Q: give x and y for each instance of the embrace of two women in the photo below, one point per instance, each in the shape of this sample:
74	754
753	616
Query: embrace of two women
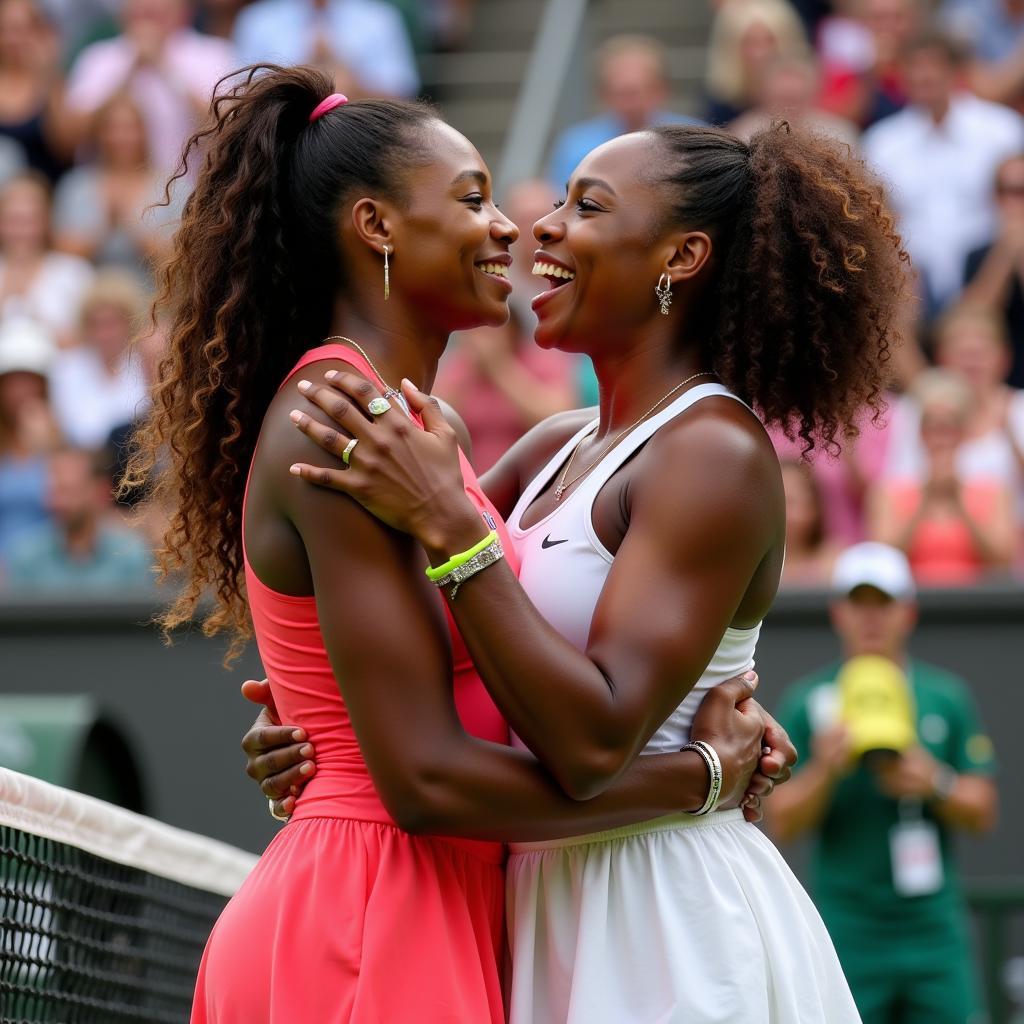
530	694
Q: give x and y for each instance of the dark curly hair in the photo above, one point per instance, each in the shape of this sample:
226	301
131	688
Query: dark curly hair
808	268
249	286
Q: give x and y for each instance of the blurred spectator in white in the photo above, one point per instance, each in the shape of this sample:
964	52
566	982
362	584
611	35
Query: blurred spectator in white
844	481
502	384
31	87
861	49
993	31
100	383
27	428
36	281
165	64
111	210
788	89
971	341
84	547
938	157
366	37
217	17
746	37
633	88
952	528
994	273
809	551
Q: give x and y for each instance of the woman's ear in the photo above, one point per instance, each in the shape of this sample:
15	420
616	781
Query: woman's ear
372	221
692	253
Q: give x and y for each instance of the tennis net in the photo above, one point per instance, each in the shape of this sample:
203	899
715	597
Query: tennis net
103	913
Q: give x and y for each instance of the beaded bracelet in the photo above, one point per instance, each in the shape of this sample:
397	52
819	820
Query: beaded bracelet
714	765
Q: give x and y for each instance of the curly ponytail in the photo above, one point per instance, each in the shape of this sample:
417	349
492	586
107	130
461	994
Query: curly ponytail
809	273
250	284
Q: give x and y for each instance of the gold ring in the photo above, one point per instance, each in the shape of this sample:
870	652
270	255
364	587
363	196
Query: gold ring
346	455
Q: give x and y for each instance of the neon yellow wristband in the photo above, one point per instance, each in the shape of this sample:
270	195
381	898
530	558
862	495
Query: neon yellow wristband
435	574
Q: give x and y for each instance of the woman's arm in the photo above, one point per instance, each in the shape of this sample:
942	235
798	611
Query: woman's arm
700	526
388	643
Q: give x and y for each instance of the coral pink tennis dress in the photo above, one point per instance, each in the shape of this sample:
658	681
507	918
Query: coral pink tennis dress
346	919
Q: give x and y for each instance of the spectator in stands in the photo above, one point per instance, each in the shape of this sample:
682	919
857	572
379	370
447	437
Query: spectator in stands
633	86
746	37
31	87
861	49
994	273
27	428
366	37
939	156
502	384
788	89
166	65
111	210
953	528
809	552
84	547
36	281
971	341
100	383
993	31
844	482
883	872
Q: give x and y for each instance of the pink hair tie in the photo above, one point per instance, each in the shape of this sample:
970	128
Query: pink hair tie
334	100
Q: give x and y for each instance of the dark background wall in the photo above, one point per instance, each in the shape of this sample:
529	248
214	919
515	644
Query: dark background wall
184	716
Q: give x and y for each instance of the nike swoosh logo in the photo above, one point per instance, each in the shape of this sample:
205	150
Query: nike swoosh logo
547	542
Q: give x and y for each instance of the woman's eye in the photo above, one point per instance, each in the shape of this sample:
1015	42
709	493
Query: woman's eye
587	206
474	200
559	203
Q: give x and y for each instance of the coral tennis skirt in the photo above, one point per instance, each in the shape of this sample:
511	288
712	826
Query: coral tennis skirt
680	920
355	922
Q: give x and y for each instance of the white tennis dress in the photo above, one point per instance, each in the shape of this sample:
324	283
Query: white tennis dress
680	920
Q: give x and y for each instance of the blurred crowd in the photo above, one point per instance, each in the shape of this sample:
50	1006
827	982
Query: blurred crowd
98	96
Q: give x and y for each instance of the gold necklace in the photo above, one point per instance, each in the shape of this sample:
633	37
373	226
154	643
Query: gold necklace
563	486
389	391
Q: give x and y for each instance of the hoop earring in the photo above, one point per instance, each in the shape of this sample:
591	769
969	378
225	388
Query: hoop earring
663	289
387	275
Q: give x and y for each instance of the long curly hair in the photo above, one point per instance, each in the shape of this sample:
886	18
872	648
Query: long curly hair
250	284
809	273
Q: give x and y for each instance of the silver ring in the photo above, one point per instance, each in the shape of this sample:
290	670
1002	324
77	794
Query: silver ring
277	817
378	406
346	455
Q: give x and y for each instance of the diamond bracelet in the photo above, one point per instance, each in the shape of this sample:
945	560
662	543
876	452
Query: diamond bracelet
480	561
714	766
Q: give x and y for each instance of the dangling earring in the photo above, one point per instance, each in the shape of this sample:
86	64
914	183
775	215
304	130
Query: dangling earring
387	275
663	290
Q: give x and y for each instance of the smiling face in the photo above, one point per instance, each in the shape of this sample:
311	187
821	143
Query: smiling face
451	244
603	251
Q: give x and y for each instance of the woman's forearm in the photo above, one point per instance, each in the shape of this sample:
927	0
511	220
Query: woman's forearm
485	791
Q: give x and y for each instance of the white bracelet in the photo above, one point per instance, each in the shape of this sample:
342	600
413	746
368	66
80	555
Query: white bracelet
714	765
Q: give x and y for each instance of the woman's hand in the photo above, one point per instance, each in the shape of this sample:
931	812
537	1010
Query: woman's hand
755	751
410	479
277	756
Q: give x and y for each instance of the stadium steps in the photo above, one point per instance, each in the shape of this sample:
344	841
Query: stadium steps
477	87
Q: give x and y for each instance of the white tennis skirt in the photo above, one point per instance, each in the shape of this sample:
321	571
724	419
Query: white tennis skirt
680	920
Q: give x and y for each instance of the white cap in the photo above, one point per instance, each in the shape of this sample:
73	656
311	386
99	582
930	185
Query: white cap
874	565
26	346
